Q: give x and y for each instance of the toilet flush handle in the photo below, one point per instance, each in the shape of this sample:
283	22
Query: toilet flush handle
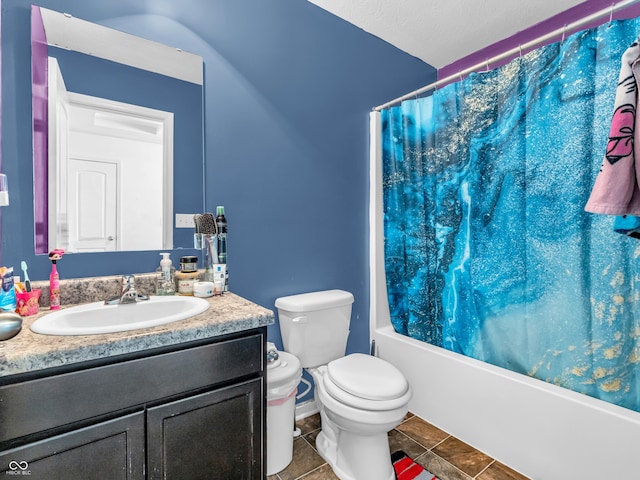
300	320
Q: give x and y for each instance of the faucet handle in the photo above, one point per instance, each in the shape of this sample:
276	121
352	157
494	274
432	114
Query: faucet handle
128	292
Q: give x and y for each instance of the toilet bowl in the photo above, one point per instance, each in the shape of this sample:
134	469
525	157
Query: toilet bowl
353	439
360	397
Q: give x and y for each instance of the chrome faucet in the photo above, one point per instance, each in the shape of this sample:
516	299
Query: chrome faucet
128	293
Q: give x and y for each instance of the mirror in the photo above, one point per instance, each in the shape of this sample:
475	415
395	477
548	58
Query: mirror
117	138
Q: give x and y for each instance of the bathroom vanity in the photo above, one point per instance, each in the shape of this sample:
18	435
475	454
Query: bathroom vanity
183	400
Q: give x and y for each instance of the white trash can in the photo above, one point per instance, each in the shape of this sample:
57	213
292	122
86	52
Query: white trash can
283	376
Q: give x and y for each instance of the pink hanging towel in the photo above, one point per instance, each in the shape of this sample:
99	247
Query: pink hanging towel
616	190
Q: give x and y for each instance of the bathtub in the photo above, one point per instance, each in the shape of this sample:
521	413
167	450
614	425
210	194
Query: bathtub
543	431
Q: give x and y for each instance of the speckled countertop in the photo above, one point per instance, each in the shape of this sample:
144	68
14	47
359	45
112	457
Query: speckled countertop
28	351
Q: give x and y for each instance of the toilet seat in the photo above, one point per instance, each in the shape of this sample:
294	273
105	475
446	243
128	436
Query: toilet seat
366	382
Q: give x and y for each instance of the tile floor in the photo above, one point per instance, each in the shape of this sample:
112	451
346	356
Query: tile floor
437	451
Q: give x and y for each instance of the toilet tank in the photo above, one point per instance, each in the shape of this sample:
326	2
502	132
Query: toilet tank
315	326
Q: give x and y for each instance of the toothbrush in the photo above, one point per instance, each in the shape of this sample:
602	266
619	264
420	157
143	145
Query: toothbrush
27	282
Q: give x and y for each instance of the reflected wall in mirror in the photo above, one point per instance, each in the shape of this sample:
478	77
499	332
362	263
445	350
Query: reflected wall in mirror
117	125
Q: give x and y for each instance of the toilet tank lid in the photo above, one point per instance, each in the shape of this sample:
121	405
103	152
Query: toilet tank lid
306	302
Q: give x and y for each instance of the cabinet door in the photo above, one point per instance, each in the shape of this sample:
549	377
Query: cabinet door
214	435
113	449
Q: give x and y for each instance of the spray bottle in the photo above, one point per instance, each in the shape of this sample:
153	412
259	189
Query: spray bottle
221	225
54	279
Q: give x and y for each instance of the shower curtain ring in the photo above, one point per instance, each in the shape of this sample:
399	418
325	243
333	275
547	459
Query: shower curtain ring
487	64
520	48
564	31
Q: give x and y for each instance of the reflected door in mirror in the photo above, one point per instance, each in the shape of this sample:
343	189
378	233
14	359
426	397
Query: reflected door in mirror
92	203
110	159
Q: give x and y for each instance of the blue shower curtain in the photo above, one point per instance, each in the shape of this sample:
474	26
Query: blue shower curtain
488	249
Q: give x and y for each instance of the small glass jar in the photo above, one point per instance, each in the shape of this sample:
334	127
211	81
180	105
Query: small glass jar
186	281
189	264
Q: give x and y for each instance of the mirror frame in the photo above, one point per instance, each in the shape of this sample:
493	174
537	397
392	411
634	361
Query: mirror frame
64	31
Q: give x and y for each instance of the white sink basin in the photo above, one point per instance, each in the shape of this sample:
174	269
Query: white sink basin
97	318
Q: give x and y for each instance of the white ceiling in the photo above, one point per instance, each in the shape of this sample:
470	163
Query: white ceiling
439	32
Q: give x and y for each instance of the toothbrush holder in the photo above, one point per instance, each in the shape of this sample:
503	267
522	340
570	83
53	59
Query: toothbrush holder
27	302
209	255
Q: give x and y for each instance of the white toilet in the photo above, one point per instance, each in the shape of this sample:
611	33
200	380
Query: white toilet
360	397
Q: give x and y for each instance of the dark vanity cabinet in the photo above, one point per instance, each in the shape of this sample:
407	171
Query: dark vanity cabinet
193	412
113	449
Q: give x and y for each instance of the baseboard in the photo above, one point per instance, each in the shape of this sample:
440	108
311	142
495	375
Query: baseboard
306	409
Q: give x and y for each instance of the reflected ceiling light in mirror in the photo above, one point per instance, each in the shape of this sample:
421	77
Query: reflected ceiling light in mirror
70	33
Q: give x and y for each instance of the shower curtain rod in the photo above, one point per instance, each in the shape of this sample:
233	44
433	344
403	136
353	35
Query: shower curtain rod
510	53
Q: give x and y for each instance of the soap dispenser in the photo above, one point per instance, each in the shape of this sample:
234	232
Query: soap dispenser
165	279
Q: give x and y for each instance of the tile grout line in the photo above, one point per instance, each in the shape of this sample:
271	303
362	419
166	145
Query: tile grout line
404	435
304	437
423	446
465	476
414	441
301	477
441	458
485	468
440	443
430	450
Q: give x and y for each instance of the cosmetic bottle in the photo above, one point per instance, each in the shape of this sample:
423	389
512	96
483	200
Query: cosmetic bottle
54	288
54	280
7	292
221	225
165	276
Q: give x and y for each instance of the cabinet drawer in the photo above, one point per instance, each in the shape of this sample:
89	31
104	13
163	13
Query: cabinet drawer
58	400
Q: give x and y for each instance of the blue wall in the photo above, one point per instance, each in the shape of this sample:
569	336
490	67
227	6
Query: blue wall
288	89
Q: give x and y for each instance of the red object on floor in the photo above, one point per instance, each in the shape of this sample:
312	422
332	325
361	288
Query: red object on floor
407	469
